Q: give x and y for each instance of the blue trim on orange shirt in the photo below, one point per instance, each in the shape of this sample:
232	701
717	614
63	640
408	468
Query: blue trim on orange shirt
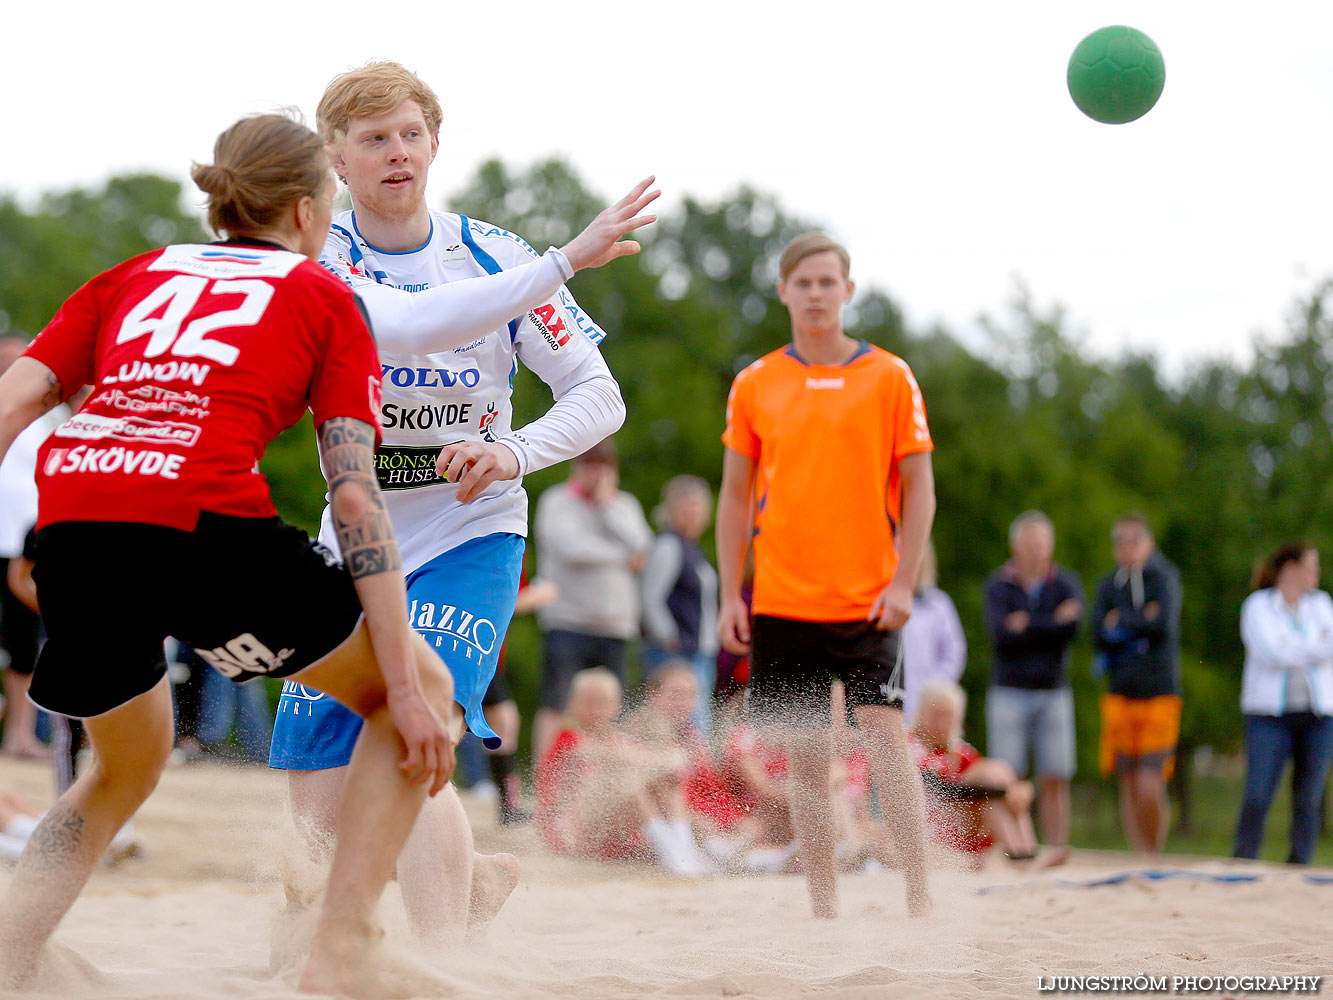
862	348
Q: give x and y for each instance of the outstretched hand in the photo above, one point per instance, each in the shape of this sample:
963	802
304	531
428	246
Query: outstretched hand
601	242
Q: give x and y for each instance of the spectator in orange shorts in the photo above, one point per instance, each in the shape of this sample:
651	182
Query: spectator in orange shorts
1136	630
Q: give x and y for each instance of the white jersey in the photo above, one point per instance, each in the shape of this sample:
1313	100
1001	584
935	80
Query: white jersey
449	349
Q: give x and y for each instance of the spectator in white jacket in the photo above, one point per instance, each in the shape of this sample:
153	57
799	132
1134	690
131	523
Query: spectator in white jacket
1286	696
680	592
934	647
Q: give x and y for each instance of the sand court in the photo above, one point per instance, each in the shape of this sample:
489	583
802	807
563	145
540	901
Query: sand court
196	916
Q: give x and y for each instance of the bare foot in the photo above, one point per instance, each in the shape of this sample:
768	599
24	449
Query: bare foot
1053	857
494	877
344	963
27	751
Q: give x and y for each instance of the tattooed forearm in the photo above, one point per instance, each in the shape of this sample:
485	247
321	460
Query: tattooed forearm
56	839
362	524
54	395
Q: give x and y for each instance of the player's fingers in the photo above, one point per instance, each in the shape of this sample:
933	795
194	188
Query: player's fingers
634	192
443	459
627	248
458	464
478	476
411	764
641	203
431	771
639	223
451	458
446	768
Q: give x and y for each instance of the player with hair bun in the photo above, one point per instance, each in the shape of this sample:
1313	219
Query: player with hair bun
199	355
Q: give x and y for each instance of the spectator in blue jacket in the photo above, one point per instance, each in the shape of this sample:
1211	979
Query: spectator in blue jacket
680	591
1033	608
1136	634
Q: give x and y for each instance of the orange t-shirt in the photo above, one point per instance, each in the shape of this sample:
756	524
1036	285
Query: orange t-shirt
827	442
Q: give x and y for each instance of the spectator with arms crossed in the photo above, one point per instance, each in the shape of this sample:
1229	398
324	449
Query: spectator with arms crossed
1032	609
1136	633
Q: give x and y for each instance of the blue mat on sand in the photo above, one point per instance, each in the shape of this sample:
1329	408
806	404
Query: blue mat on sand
1151	875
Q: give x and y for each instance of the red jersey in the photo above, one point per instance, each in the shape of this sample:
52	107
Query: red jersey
565	767
947	765
199	355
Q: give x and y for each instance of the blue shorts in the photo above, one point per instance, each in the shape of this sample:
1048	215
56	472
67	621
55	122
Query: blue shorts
1035	723
461	603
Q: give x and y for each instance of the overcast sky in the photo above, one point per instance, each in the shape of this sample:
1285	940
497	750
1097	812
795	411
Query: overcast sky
937	140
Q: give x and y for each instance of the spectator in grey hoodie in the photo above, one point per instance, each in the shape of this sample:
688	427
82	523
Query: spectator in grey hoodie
592	539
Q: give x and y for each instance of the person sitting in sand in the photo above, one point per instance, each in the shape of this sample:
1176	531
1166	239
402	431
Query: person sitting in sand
728	829
973	802
755	772
602	794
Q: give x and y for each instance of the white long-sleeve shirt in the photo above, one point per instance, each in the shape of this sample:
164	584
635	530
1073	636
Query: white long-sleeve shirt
452	319
1288	654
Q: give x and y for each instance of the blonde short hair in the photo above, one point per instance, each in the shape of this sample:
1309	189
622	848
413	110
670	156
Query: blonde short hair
951	694
807	245
590	678
374	89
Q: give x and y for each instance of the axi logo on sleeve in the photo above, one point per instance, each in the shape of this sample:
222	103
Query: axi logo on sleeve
553	330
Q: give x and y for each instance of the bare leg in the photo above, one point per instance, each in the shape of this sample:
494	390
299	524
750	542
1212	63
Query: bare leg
435	872
1053	815
132	744
900	794
1129	813
1012	831
545	726
20	716
812	815
375	816
1154	808
503	717
429	896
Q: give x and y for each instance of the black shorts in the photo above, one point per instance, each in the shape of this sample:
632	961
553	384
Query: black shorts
567	653
254	597
793	665
20	629
498	690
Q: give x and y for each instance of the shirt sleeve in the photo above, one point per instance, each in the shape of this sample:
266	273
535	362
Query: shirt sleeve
449	315
554	341
911	432
740	434
347	381
68	345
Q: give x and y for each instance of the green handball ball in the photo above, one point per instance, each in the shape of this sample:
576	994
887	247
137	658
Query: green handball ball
1116	75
